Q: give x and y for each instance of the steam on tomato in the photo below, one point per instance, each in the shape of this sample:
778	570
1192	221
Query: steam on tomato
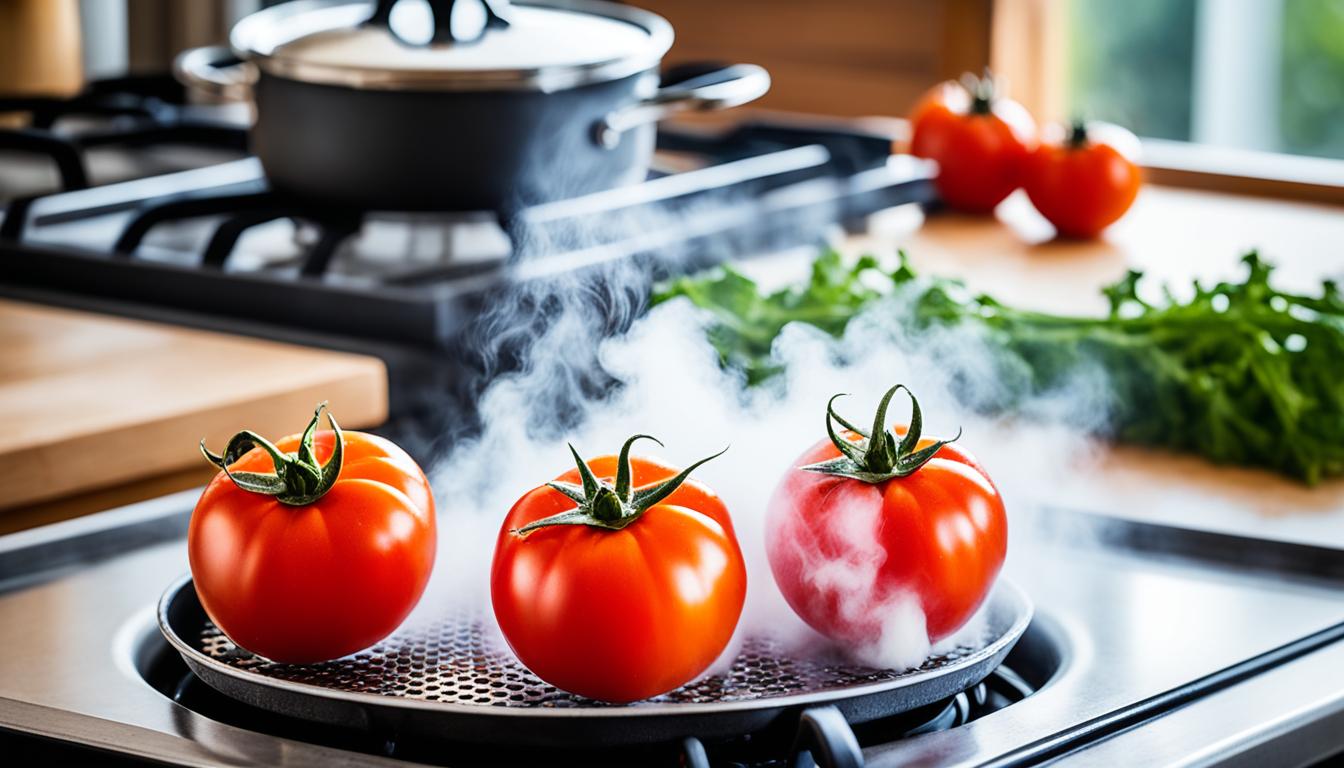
321	558
1085	181
916	518
979	139
623	586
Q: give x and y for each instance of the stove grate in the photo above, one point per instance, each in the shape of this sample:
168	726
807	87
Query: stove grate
145	110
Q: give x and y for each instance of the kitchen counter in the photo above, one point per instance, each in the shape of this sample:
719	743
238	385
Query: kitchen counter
1173	235
92	402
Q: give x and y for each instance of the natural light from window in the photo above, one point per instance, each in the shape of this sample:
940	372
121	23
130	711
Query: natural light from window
1251	74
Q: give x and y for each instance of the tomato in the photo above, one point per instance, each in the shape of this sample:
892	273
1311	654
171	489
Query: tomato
1083	182
618	592
979	140
312	562
852	532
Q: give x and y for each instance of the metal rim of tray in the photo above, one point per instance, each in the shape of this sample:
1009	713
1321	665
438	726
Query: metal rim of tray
1009	610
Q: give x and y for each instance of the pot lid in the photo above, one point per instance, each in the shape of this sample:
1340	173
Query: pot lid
544	45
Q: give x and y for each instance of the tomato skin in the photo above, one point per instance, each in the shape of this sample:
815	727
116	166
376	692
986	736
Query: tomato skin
620	615
1084	189
940	535
303	584
980	156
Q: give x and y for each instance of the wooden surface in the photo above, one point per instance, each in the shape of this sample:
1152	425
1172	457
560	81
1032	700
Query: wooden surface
101	499
841	57
91	401
1028	52
1173	235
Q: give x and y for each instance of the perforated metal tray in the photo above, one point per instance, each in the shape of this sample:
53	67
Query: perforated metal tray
443	678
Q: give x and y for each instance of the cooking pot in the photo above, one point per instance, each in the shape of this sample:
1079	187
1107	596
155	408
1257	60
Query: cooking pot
455	104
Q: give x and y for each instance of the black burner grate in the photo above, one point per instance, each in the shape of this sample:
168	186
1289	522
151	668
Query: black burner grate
138	111
761	187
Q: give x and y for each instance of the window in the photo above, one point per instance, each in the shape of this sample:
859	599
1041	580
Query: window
1251	74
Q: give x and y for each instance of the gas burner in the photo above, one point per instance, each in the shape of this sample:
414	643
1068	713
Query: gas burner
1036	657
126	112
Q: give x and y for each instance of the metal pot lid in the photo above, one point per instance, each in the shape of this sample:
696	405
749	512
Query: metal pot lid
540	45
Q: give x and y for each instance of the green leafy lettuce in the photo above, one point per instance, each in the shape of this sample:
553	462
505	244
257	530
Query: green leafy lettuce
1240	372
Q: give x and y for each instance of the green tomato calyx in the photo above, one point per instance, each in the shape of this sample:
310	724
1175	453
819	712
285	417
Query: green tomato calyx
983	91
298	479
613	507
878	455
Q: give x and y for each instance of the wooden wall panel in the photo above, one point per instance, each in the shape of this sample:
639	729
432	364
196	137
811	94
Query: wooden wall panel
839	57
1029	54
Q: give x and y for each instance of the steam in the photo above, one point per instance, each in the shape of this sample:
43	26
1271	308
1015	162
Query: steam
662	377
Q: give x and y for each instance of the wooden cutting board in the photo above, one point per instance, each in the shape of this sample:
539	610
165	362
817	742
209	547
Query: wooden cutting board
89	401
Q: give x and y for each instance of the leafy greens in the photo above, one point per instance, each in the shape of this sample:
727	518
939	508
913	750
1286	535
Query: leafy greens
1240	373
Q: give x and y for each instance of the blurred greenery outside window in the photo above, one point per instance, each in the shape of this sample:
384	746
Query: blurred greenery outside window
1253	74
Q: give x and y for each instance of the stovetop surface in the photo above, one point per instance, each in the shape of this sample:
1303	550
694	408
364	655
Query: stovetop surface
1141	640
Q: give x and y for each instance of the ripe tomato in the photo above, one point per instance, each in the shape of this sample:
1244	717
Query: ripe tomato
979	140
313	562
860	524
1085	181
618	592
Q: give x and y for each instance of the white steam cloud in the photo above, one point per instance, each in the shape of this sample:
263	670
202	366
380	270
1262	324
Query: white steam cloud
663	378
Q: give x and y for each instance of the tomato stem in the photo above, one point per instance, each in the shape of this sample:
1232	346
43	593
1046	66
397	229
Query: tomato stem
982	90
603	506
877	456
298	478
1077	138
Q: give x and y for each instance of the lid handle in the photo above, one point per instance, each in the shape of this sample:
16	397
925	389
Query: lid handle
438	22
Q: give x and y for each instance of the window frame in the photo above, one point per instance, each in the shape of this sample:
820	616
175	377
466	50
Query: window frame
1028	39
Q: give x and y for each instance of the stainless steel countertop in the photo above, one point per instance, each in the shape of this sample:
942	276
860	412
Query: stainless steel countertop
1138	629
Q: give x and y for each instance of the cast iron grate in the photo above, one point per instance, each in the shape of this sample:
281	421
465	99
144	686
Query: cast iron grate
453	660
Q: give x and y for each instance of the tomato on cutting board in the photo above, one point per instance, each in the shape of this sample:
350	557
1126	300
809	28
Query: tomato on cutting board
314	547
1084	180
620	580
868	518
979	139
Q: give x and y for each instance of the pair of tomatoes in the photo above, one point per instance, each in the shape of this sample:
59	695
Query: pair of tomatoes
622	579
986	146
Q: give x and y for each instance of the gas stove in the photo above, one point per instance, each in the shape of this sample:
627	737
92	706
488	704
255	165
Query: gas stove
1149	646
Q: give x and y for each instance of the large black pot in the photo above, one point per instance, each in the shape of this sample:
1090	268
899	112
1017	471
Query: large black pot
538	101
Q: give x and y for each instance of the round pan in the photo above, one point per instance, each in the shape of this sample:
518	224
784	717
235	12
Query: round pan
445	681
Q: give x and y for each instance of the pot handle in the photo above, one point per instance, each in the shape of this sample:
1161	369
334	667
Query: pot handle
216	71
727	87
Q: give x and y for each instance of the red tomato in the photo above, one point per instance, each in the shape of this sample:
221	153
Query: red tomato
920	519
980	142
624	604
1085	181
313	581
